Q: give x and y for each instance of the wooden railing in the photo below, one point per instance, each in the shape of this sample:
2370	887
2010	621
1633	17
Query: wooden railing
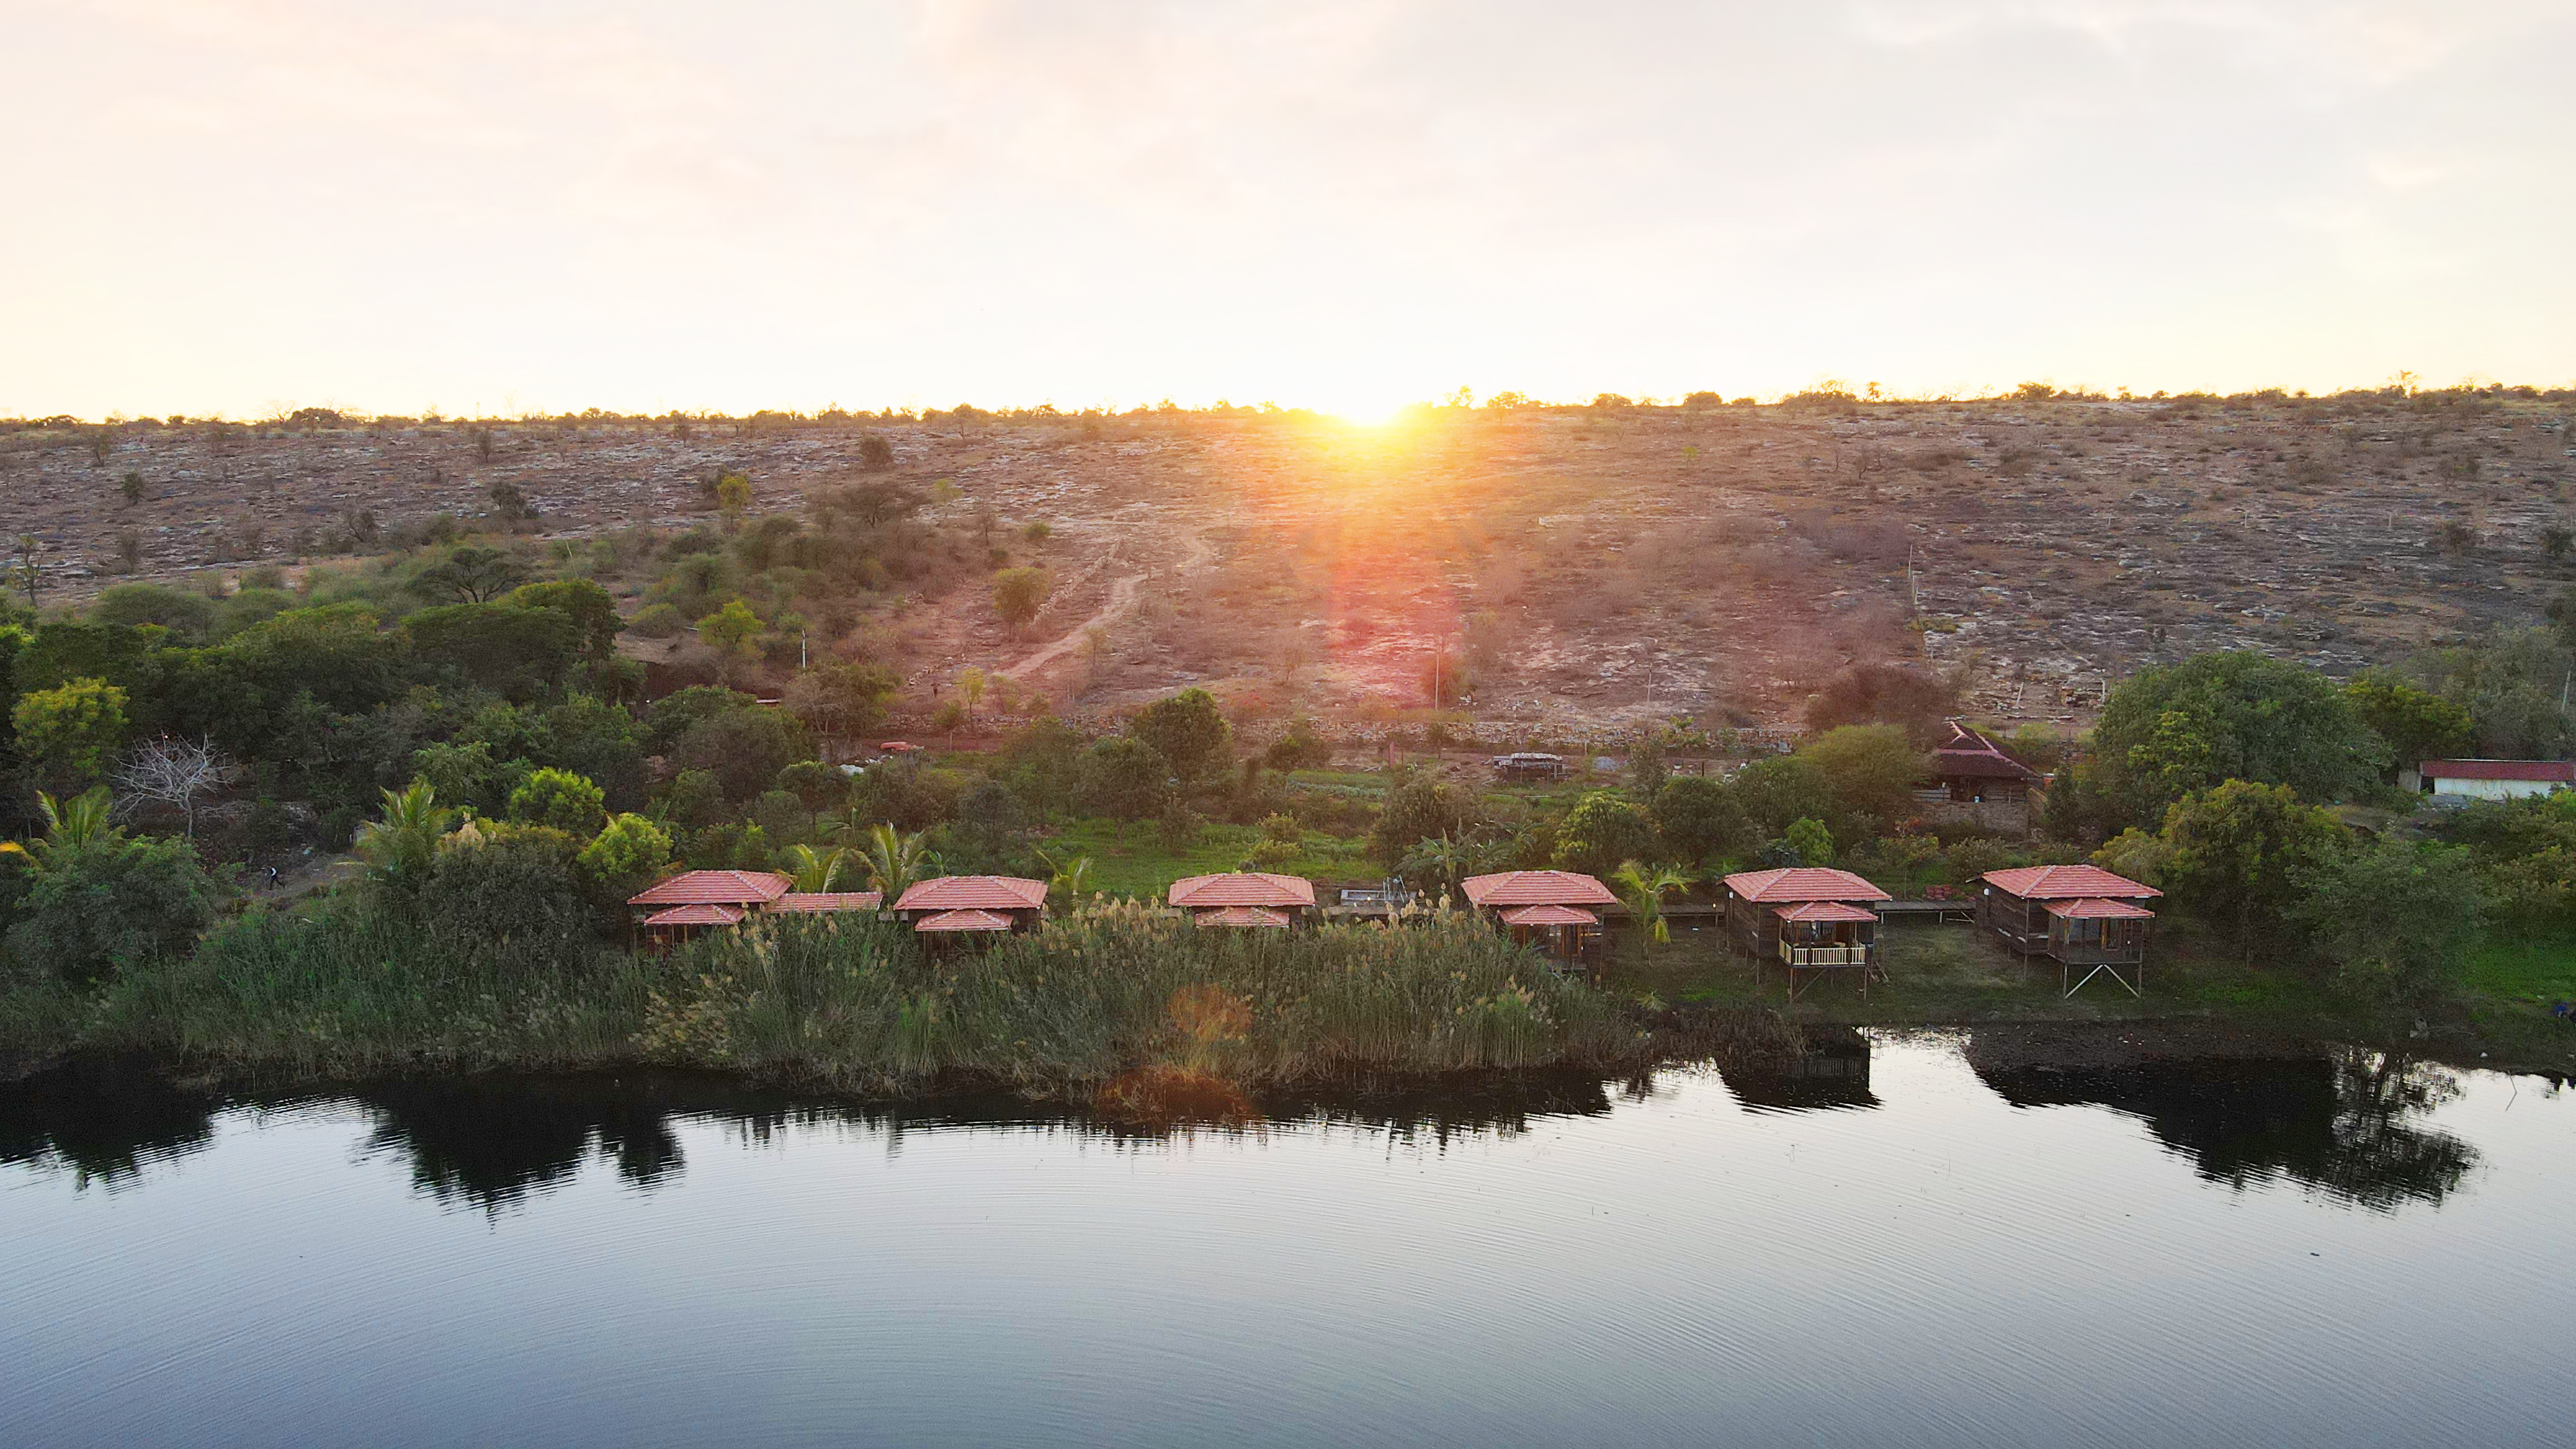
1807	956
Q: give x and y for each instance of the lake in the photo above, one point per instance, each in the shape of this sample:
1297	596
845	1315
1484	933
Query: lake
1914	1241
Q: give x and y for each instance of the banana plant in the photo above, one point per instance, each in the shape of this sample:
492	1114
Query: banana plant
815	872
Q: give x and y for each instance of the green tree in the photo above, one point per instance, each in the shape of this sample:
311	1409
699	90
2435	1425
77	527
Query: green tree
467	777
1810	840
1440	865
71	734
1018	594
1603	829
817	786
842	698
518	884
190	617
517	653
1125	779
1188	731
1642	890
895	862
733	496
1698	816
1776	791
1418	808
2418	724
729	631
592	610
814	871
401	843
628	854
2511	685
99	900
2167	732
2401	917
560	799
744	748
470	574
2239	852
1871	769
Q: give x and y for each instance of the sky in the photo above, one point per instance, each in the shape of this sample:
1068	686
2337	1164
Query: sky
228	206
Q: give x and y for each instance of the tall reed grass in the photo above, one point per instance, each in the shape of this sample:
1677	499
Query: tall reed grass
359	988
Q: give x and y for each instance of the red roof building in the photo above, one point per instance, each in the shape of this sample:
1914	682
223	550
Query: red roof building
1805	918
2496	779
2081	916
972	903
1973	768
1802	883
1546	909
1242	888
750	889
2066	882
974	893
1536	888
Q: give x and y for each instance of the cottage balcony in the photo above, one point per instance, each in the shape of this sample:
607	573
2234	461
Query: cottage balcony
1802	958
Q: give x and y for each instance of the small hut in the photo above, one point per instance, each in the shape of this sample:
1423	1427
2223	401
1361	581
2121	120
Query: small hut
670	926
1552	910
1807	918
955	905
2080	916
692	901
1974	770
1244	899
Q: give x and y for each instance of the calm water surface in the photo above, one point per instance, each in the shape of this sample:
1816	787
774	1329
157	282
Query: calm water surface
1919	1245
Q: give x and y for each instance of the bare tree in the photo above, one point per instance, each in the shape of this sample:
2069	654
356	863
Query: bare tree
173	772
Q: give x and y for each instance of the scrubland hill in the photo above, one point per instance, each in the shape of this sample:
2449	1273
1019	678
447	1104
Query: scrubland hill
1591	564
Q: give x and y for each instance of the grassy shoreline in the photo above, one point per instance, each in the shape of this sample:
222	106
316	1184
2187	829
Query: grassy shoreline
1122	1007
1117	1003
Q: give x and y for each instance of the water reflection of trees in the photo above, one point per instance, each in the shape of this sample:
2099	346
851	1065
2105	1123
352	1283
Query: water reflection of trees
100	1122
490	1143
2341	1123
1833	1074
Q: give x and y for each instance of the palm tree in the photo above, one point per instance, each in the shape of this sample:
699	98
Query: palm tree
400	844
84	819
1442	863
895	861
815	872
1642	890
1071	878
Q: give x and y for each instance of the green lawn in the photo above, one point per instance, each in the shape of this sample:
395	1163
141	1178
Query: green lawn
2536	970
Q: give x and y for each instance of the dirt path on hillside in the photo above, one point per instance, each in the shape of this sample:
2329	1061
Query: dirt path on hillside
1122	597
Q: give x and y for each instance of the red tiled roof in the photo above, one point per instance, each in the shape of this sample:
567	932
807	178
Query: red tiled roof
1549	916
1242	916
1241	888
963	921
714	887
1536	888
1803	883
2094	908
974	893
2066	882
827	902
1971	754
697	915
2557	772
1823	911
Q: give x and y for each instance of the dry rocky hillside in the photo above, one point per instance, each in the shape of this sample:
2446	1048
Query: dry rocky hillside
1584	566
